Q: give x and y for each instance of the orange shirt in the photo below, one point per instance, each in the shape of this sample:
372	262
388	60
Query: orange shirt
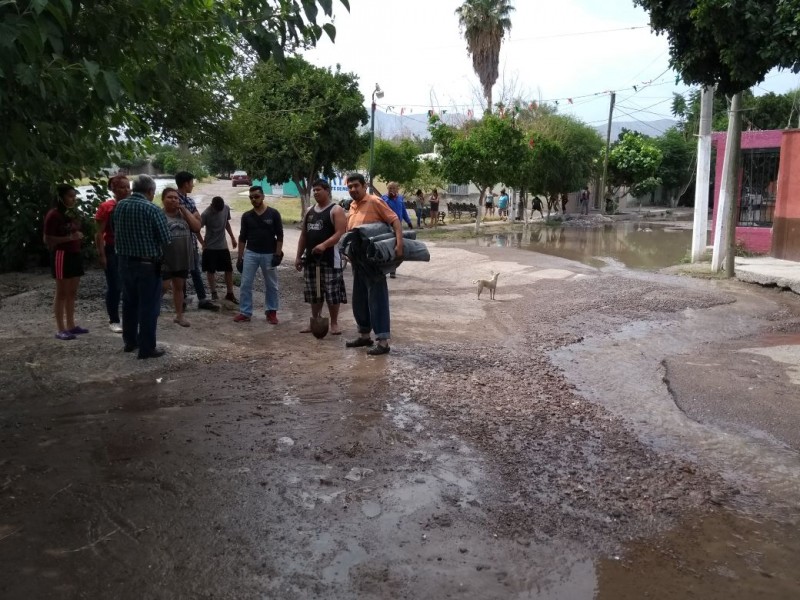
370	209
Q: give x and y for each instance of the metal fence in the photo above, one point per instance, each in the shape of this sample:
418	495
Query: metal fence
759	177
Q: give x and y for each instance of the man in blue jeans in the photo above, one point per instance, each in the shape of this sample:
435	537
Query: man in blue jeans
104	242
184	181
141	232
260	247
371	295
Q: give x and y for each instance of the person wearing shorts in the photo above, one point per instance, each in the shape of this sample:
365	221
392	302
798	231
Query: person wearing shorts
323	225
489	204
179	253
502	205
216	256
63	235
434	204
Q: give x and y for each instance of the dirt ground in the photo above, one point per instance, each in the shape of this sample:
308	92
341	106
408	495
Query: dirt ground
591	433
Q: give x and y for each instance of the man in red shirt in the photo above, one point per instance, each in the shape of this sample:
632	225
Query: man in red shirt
370	295
104	242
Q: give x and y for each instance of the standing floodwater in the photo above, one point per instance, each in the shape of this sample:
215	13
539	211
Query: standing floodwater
636	245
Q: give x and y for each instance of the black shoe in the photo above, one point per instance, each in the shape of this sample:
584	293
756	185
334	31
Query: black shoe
157	353
359	342
208	305
392	276
378	350
130	347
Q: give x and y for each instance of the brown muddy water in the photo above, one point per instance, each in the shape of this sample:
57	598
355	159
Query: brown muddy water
635	245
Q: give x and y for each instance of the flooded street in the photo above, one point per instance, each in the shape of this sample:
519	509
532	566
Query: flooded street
592	433
637	245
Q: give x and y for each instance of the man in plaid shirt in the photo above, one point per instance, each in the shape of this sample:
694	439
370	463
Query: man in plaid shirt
141	232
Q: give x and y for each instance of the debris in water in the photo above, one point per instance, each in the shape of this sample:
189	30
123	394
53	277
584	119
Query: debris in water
358	473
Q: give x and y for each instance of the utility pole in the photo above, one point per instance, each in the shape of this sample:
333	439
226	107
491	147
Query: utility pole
729	188
700	228
602	194
732	175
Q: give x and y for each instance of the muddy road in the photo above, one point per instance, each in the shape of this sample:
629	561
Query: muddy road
582	436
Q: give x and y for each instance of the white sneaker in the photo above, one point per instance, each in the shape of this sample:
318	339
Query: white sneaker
115	327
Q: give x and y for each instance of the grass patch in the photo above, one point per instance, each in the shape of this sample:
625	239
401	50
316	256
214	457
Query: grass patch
462	233
288	207
701	271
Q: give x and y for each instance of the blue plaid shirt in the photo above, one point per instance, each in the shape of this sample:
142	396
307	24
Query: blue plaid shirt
140	228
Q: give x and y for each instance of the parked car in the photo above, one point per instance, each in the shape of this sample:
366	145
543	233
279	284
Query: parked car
240	178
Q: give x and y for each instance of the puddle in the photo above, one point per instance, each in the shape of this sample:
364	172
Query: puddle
719	556
636	245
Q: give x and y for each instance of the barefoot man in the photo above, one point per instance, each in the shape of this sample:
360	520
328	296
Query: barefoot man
323	225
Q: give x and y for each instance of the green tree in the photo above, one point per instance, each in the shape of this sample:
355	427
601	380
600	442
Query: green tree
728	44
396	161
484	153
428	177
633	163
81	80
578	147
677	167
296	121
484	24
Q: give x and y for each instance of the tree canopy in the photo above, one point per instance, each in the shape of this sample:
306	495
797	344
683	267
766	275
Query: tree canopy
485	152
484	24
396	161
83	80
634	162
295	121
729	44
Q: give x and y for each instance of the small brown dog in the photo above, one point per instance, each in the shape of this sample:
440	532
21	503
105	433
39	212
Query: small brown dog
490	284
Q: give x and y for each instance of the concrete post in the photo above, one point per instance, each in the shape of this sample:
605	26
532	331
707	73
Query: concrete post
703	178
728	196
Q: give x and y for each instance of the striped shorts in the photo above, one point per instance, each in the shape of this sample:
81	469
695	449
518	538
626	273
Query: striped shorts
66	265
331	285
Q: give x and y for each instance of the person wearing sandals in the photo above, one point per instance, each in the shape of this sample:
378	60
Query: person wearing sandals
323	225
179	253
370	297
63	235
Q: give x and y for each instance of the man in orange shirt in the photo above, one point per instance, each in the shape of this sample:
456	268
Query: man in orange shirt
370	295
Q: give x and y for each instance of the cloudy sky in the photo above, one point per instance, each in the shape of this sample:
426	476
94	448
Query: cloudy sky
561	50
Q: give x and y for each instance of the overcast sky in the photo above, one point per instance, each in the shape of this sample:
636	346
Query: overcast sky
578	49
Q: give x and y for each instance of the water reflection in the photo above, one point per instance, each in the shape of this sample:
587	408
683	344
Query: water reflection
636	245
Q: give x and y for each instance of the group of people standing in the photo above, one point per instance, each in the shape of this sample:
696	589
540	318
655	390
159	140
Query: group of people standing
147	251
397	203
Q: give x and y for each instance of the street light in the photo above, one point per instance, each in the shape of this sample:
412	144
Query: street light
376	93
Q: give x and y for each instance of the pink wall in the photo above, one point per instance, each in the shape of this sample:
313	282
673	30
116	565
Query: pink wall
786	228
755	239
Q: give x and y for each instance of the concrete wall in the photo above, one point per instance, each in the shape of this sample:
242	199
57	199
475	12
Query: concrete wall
755	239
786	228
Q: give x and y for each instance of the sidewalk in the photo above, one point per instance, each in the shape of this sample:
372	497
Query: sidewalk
766	270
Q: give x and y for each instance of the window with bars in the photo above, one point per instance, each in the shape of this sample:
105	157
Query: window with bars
759	182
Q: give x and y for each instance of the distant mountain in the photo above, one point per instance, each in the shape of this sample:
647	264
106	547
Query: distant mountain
392	125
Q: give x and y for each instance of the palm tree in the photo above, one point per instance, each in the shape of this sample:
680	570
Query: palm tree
484	24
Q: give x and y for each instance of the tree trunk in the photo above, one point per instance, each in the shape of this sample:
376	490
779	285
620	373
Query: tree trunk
489	101
480	208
